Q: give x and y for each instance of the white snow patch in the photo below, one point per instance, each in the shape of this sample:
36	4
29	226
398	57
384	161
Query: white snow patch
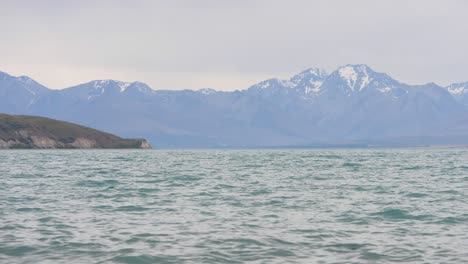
349	75
145	89
365	80
316	85
103	83
457	90
284	83
316	71
124	86
287	84
384	89
100	84
315	88
207	91
312	71
354	75
264	85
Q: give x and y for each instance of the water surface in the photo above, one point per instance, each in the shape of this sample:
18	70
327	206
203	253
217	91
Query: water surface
234	206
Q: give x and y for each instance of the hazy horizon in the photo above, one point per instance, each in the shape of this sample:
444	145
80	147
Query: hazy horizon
230	45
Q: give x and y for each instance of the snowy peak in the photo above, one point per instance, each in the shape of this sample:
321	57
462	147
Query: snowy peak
305	82
97	88
309	81
459	91
360	78
458	88
272	84
348	79
11	82
357	77
24	81
207	91
109	84
22	91
310	73
136	87
118	86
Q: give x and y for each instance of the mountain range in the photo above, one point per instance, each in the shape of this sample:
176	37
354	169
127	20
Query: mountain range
351	106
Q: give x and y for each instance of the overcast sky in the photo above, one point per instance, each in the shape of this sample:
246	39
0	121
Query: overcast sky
230	45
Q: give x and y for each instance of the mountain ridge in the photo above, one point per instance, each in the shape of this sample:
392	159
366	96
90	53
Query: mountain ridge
353	103
457	87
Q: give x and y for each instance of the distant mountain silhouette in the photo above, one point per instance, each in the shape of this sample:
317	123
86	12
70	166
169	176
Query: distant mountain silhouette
351	106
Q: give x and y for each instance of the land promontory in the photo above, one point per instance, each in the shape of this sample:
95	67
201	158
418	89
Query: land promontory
32	132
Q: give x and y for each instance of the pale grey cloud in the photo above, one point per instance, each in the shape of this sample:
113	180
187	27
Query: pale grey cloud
230	44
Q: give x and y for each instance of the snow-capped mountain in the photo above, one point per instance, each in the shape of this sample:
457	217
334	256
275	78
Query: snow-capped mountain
351	104
309	80
18	94
357	79
96	89
459	92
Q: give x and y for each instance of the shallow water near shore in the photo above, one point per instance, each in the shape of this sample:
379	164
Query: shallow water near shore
234	206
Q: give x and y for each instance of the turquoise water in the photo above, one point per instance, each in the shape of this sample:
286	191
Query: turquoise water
229	206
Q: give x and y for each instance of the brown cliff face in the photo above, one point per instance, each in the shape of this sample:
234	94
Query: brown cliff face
30	132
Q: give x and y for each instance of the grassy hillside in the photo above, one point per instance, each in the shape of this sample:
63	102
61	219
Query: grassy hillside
18	131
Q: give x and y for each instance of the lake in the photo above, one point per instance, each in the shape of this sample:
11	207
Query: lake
234	206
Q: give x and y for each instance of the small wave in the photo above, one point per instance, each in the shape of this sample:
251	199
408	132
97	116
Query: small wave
185	178
367	255
143	259
85	245
329	156
94	183
449	192
351	164
281	253
148	190
45	219
398	214
8	227
417	195
103	207
29	209
243	242
417	167
219	257
260	192
281	242
131	208
452	220
17	251
346	246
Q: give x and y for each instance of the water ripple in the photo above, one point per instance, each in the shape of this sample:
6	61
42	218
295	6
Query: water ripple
236	206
